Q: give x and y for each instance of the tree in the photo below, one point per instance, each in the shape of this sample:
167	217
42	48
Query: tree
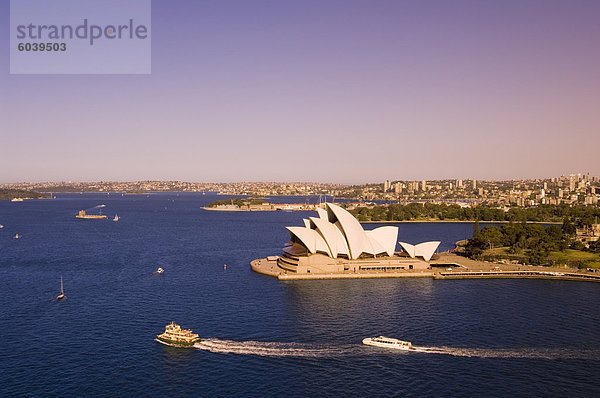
577	245
568	227
476	228
595	246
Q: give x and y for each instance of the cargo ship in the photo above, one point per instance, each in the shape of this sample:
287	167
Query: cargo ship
174	335
82	214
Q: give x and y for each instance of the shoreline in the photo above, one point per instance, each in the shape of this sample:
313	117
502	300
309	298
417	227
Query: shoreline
460	221
448	266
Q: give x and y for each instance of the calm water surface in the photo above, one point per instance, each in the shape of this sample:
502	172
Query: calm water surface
263	337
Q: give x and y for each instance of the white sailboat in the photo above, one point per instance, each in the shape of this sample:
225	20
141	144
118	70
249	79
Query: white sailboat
116	217
62	292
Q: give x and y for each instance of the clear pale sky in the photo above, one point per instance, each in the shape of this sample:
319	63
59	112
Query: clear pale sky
322	90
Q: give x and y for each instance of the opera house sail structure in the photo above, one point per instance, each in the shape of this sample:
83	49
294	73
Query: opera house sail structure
335	242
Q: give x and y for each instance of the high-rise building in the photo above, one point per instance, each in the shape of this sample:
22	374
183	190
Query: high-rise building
423	185
572	182
474	184
398	187
386	186
459	184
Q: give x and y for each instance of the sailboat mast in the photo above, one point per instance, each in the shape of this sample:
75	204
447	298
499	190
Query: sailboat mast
61	285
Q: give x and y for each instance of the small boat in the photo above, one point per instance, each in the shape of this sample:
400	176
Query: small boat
1	226
174	335
116	217
16	236
388	342
160	270
16	200
62	292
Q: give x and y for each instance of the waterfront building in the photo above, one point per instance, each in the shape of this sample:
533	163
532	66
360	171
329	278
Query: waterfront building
335	242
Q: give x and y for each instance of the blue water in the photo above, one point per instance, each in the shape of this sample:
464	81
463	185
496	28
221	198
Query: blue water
263	337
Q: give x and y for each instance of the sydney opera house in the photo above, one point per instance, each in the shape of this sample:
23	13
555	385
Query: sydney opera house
335	242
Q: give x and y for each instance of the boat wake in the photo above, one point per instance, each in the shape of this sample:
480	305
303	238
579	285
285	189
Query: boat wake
300	350
272	349
526	353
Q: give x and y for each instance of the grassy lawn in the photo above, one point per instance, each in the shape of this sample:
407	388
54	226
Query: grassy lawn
593	259
569	256
498	253
497	250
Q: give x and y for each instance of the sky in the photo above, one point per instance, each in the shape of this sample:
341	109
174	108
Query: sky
324	91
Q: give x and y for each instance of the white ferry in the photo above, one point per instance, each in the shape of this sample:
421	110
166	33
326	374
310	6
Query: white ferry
388	342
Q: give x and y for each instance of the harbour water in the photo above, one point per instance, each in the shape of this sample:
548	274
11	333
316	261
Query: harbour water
263	337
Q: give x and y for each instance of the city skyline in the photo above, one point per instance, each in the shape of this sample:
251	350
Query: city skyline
340	92
390	181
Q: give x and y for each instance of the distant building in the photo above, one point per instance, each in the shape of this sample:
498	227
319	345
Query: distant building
423	185
386	186
474	185
588	234
398	187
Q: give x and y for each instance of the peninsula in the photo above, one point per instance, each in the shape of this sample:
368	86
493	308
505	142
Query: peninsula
334	245
21	194
244	204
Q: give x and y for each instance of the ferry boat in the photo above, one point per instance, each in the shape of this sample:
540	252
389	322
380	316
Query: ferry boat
176	336
83	215
388	342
